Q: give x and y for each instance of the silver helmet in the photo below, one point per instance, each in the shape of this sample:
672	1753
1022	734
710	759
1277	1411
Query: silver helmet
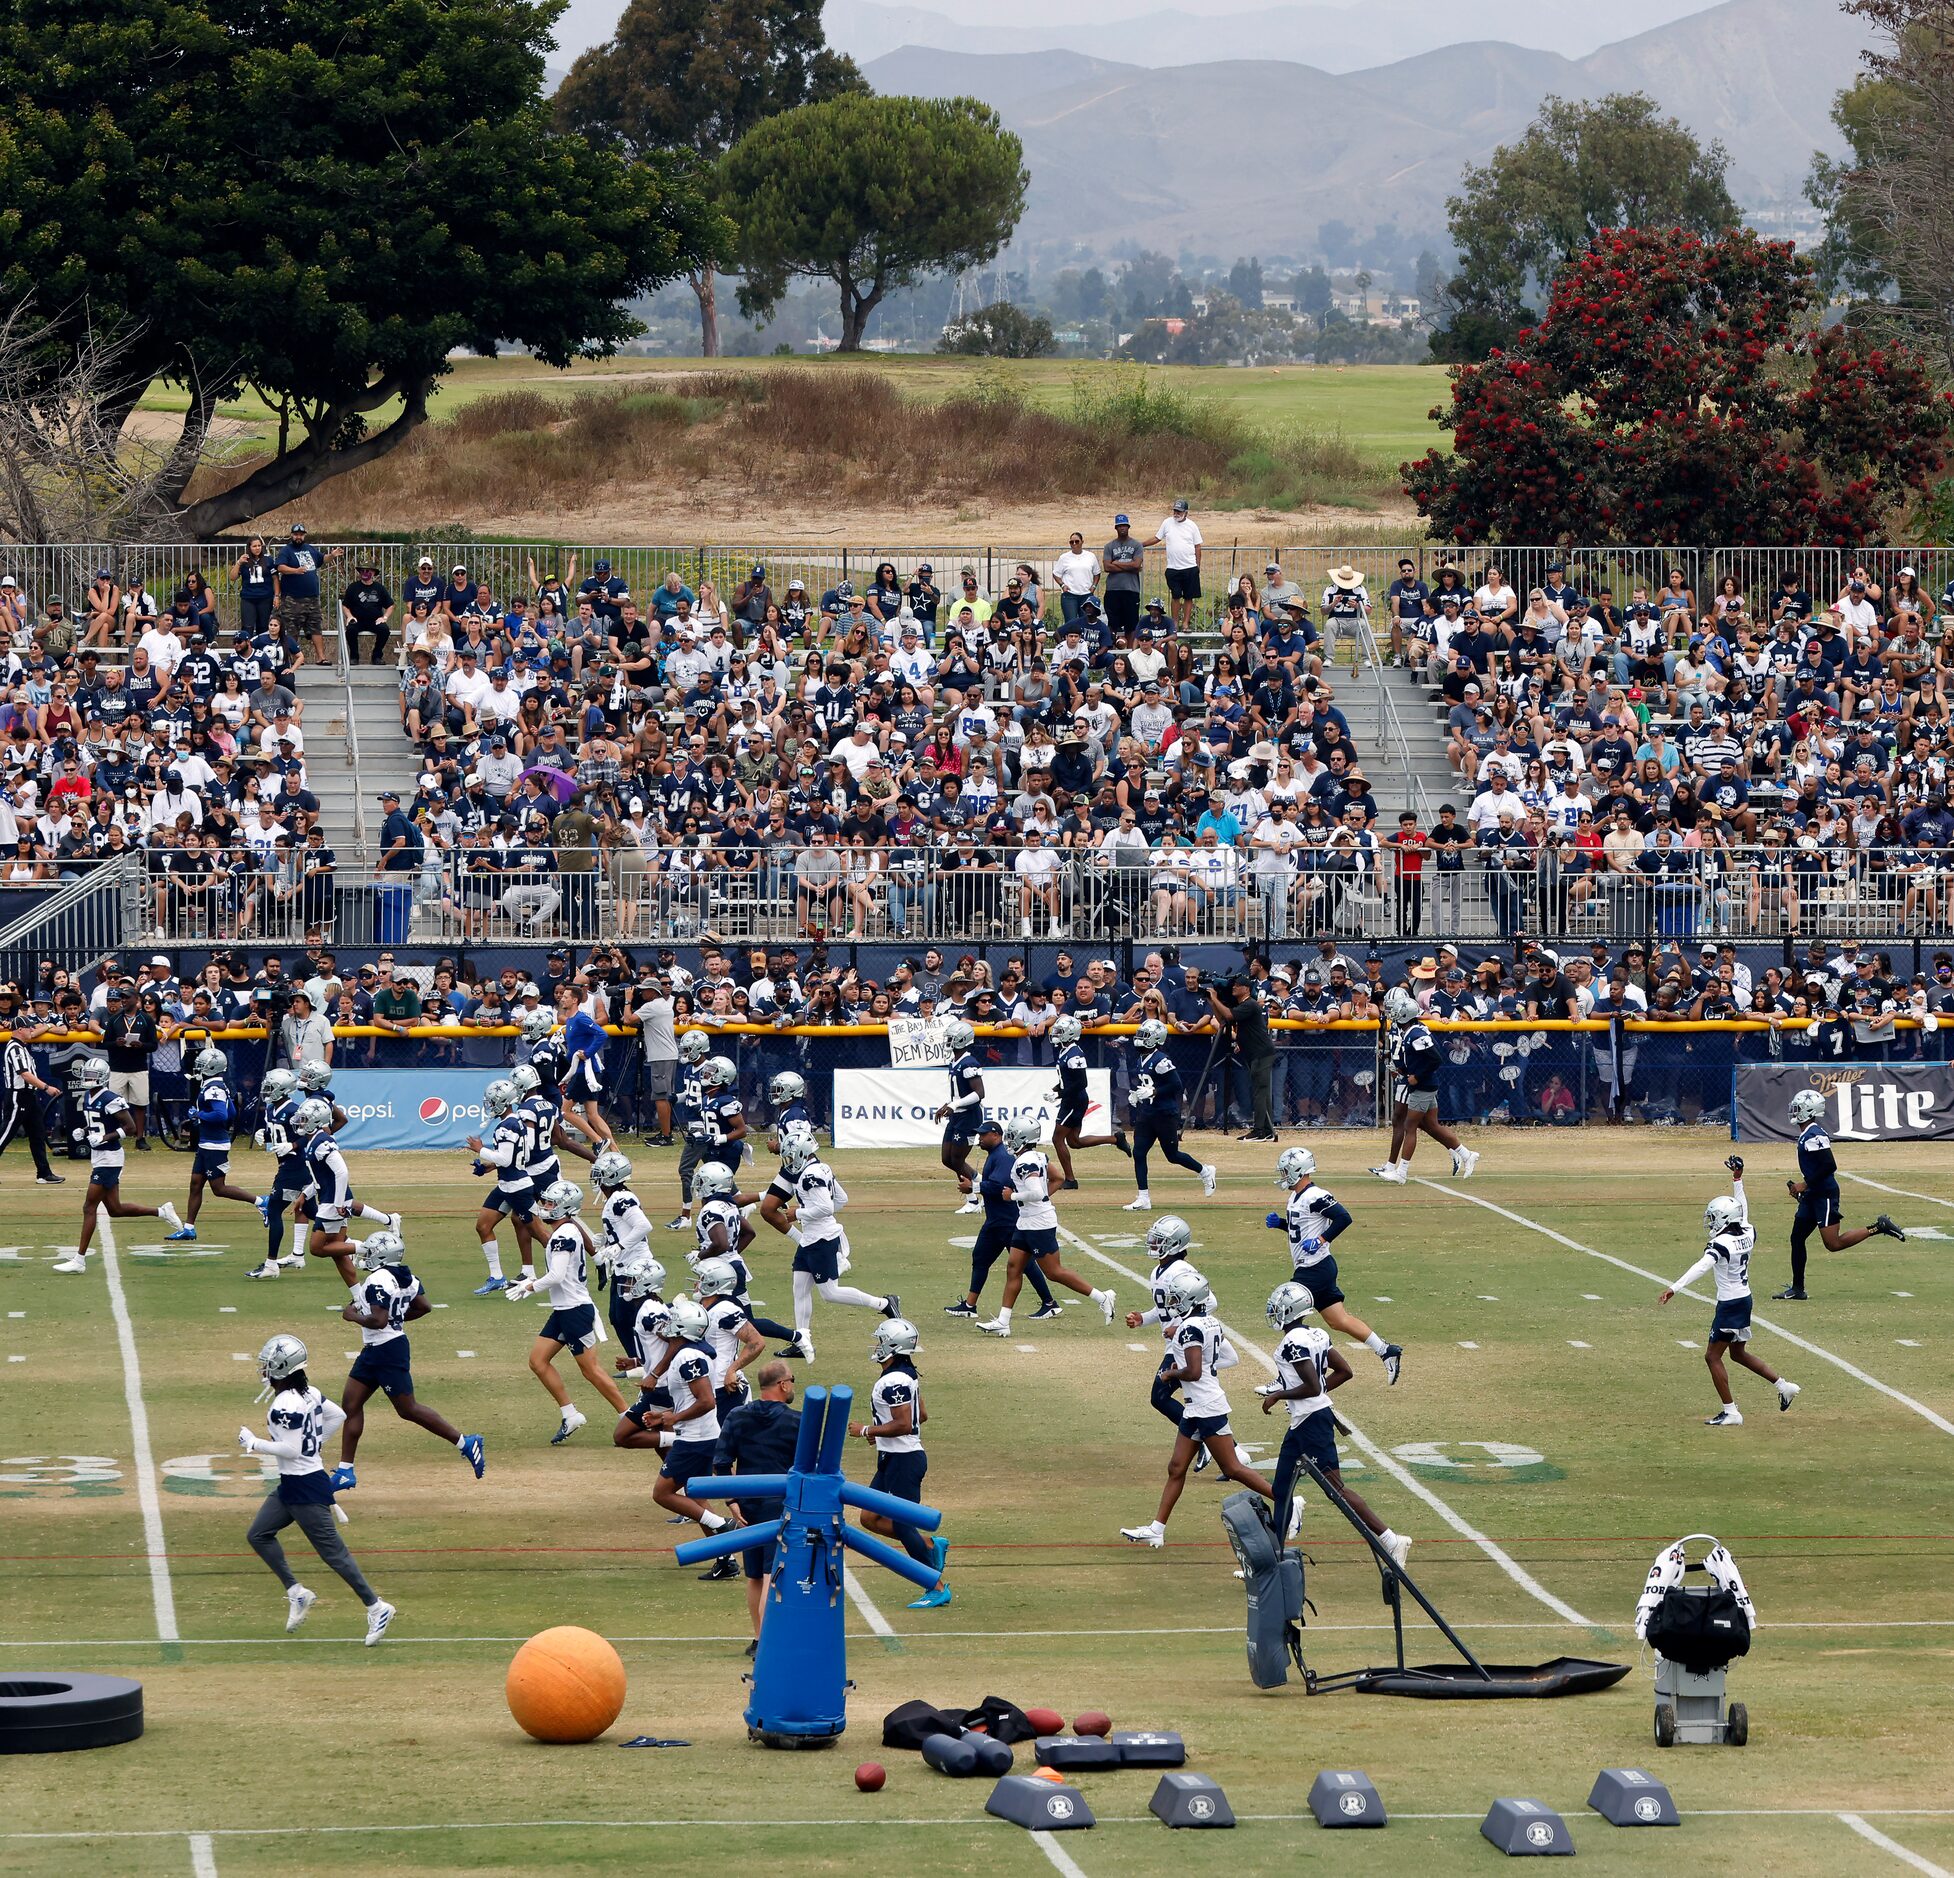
958	1034
1401	1006
789	1086
1067	1031
1168	1238
92	1072
638	1275
1294	1164
278	1086
314	1117
894	1336
717	1072
315	1078
1187	1291
694	1047
688	1318
380	1248
1151	1035
211	1063
1290	1303
1807	1106
561	1200
1021	1132
715	1278
536	1025
281	1357
500	1097
710	1179
527	1079
611	1170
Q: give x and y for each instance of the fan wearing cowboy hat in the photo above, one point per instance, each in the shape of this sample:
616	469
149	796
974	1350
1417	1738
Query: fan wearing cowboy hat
1346	603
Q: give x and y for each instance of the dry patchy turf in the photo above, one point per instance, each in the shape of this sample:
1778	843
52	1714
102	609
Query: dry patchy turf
1547	1405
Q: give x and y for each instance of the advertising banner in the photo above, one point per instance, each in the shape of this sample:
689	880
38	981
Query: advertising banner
1864	1101
410	1108
896	1108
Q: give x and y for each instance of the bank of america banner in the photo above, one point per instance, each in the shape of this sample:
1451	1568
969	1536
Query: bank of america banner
1863	1101
896	1108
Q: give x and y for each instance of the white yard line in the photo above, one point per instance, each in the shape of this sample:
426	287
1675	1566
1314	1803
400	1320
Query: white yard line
148	1495
1068	1867
1655	1278
1379	1458
866	1605
1873	1836
203	1856
1905	1193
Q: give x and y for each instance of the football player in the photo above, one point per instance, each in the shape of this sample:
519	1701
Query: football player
572	1322
623	1229
1312	1218
1308	1367
1198	1344
688	1110
734	1343
329	1192
788	1094
821	1248
1034	1240
693	1418
542	1103
299	1421
648	1344
994	1237
1817	1192
106	1119
1155	1099
724	1232
1072	1099
896	1433
282	1094
214	1115
513	1195
963	1113
1414	1109
1732	1236
389	1298
1168	1240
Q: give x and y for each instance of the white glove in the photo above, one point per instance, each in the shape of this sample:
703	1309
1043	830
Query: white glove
520	1290
257	1137
1143	1089
246	1441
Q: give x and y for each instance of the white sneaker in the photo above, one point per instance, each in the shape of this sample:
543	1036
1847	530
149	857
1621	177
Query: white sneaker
1396	1175
971	1205
995	1326
1398	1547
1382	1173
170	1217
378	1617
70	1264
573	1419
269	1269
293	1262
1731	1417
1105	1300
1788	1393
1295	1518
298	1602
1153	1533
1139	1204
1464	1162
1208	1178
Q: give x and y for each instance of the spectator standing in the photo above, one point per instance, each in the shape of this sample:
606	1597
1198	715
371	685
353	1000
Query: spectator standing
1180	535
1124	559
299	567
305	1036
1076	573
130	1036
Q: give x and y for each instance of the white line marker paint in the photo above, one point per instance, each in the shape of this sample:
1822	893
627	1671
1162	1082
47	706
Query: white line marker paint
464	1352
1903	1294
1068	1867
1688	1343
1380	1300
203	1857
1873	1836
1486	1298
1593	1297
865	1604
1026	1349
1468	1346
1905	1193
16	1359
227	1310
16	1313
1910	1343
1575	1343
149	1498
1141	1347
1379	1458
240	1356
1655	1278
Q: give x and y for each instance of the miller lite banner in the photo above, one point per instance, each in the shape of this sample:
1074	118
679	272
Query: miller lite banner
1863	1101
411	1108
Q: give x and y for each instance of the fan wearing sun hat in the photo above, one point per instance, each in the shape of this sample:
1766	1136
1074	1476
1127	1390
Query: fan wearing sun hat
1346	603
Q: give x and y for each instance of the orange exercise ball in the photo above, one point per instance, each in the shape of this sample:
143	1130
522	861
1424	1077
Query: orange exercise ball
566	1684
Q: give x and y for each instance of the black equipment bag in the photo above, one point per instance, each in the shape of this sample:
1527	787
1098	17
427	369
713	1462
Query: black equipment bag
1702	1629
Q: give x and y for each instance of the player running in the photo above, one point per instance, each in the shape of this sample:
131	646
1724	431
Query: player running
572	1322
896	1432
300	1419
106	1120
994	1237
1072	1099
1414	1110
1728	1253
688	1110
648	1342
1034	1240
724	1232
584	1039
214	1115
1312	1218
329	1192
787	1092
692	1418
963	1114
388	1299
513	1196
284	1093
623	1230
1817	1192
1198	1343
821	1246
1155	1100
1308	1367
1168	1240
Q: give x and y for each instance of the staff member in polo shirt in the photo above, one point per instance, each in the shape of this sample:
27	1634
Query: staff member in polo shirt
1181	537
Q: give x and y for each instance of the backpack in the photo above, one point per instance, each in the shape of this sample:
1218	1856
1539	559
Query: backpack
1701	1630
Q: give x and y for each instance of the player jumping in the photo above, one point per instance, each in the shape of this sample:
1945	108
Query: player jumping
388	1299
1728	1253
1414	1066
1072	1098
1312	1218
1034	1240
572	1322
106	1119
1817	1192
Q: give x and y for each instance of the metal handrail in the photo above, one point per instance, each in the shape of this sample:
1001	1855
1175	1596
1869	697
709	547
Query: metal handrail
1390	727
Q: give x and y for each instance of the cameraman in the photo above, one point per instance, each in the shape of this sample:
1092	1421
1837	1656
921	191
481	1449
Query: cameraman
1240	1013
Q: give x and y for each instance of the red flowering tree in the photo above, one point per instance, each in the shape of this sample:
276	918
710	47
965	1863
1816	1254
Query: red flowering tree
1679	390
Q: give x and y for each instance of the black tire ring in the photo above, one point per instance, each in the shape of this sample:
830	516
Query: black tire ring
56	1711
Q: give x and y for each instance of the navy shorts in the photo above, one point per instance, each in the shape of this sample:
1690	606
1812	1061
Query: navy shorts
500	1200
649	1401
289	1183
821	1260
1320	1280
901	1474
108	1177
575	1329
960	1131
211	1163
1818	1209
585	1083
1731	1324
1200	1427
1039	1242
727	1400
1071	1114
385	1366
1316	1436
688	1460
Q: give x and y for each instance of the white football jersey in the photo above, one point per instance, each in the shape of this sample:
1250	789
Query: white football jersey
691	1362
1308	1217
723	1320
566	1275
1031	1182
1203	1394
1304	1346
391	1289
726	1216
897	1386
626	1227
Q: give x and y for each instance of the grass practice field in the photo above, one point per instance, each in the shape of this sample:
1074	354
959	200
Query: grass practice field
1545	1440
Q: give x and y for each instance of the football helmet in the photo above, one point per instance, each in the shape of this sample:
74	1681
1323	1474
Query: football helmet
1152	1035
1294	1164
638	1275
958	1034
211	1063
688	1318
894	1336
1187	1291
536	1025
611	1170
561	1200
789	1086
1067	1031
282	1356
1168	1238
278	1086
378	1249
710	1179
1401	1006
93	1072
1807	1106
798	1152
715	1278
315	1078
527	1078
500	1097
1723	1212
694	1047
1021	1132
717	1072
1290	1303
314	1117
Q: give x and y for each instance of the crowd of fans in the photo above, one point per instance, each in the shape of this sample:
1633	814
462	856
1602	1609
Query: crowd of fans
1070	754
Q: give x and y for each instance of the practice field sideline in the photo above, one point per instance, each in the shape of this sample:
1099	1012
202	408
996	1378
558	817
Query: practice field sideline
1546	1438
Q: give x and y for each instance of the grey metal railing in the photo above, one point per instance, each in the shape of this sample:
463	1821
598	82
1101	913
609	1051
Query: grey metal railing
74	921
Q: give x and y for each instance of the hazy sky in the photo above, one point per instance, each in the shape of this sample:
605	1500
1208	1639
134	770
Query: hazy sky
1539	23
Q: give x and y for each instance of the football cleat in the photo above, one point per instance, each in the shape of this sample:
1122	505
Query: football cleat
1788	1393
378	1617
962	1308
720	1568
1393	1361
1208	1178
168	1213
1464	1162
1887	1230
1398	1547
931	1600
293	1262
1794	1292
892	1306
1047	1311
1106	1301
493	1285
995	1326
72	1263
269	1269
1153	1533
1139	1204
1397	1176
298	1604
573	1419
475	1452
971	1205
182	1232
1201	1458
1728	1417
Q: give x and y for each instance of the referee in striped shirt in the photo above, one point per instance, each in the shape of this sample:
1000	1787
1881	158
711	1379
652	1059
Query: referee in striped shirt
20	1089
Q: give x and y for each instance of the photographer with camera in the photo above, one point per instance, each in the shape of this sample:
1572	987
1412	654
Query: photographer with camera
1240	1013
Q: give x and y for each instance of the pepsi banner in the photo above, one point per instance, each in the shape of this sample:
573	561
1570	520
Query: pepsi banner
1863	1101
410	1108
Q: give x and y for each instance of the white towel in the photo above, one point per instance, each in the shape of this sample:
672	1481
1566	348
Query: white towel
1668	1570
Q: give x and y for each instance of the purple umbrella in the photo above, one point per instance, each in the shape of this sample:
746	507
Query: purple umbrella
560	784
